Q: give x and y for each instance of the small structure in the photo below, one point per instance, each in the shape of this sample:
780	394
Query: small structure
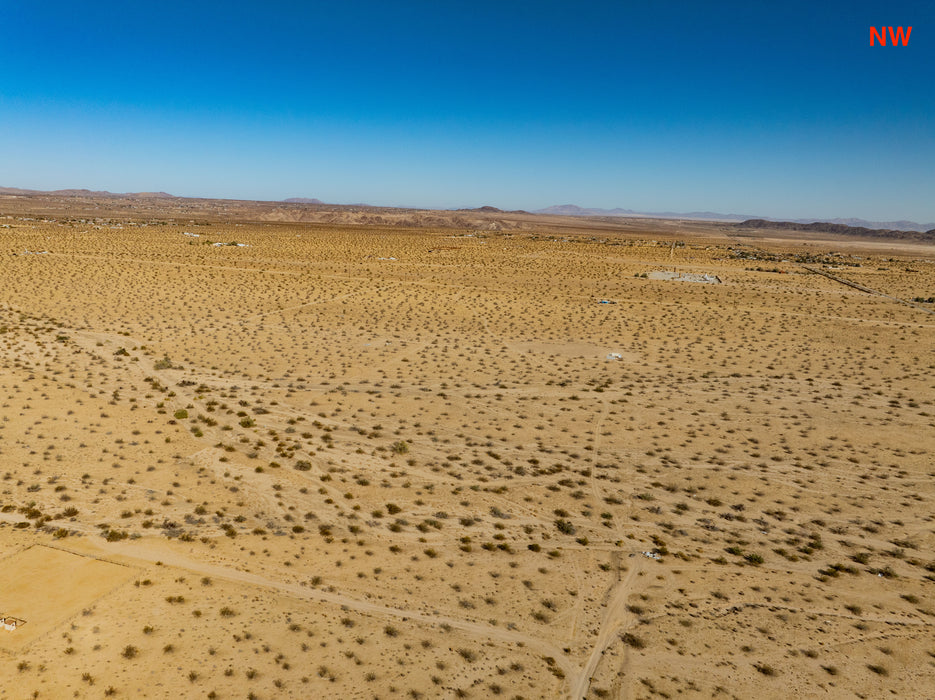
684	276
11	623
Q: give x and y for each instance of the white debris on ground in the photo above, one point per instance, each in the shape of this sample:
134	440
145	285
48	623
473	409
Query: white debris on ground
651	555
684	276
237	245
191	235
35	252
615	356
386	258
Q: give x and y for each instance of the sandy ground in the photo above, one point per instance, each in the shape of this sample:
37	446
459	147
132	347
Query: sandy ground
376	462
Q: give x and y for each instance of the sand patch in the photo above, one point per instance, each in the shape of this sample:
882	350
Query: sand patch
45	586
573	349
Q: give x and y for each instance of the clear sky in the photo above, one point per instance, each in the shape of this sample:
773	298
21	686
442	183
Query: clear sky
773	108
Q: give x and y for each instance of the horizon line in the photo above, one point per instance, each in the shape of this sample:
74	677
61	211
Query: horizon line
603	211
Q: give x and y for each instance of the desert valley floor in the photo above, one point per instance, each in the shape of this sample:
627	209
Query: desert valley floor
347	461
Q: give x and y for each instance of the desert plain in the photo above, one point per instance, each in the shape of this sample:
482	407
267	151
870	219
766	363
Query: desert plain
378	455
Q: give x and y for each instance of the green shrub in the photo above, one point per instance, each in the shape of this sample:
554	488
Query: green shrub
565	527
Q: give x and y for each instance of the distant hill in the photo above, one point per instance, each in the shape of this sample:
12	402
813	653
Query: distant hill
151	195
840	229
894	225
486	208
574	210
302	200
86	193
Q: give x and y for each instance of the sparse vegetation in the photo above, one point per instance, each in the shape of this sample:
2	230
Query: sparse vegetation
414	479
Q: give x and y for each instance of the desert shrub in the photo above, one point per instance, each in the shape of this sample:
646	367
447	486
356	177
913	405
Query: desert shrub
164	363
631	640
565	527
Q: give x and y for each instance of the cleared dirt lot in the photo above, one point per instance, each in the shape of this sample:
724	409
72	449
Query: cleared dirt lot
45	586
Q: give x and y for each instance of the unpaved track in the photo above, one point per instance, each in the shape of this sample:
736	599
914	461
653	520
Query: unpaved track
613	620
143	553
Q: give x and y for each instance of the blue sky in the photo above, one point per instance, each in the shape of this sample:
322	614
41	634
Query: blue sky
779	109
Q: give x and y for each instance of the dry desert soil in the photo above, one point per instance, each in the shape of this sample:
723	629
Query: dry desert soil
478	457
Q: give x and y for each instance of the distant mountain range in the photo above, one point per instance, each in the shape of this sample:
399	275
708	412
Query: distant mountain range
573	210
86	193
558	210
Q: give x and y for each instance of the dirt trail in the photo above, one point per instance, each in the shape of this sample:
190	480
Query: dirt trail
139	552
614	617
